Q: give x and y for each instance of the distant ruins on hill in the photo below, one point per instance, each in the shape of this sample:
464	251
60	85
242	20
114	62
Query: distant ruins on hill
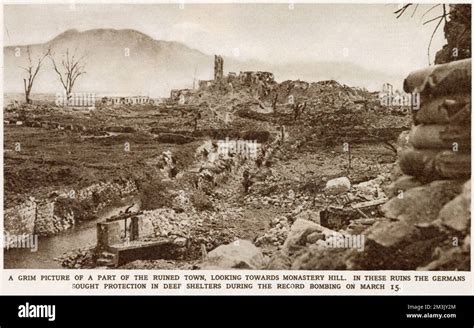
257	81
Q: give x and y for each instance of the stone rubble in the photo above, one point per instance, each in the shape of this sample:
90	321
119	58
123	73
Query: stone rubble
431	202
338	186
55	213
277	234
429	198
240	254
404	220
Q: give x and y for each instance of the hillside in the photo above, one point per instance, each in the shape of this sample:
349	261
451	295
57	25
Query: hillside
153	67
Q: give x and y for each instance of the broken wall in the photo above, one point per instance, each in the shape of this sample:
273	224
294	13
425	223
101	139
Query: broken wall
218	68
45	217
430	209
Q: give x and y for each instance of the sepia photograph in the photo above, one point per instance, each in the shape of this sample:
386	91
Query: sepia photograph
276	136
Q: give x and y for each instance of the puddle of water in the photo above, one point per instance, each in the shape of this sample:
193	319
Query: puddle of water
49	248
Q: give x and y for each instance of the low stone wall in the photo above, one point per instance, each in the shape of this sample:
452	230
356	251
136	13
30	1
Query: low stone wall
50	125
20	220
48	217
120	189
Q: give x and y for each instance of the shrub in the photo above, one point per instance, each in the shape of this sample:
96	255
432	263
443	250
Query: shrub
154	194
201	201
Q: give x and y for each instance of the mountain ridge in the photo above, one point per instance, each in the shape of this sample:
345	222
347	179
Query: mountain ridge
129	61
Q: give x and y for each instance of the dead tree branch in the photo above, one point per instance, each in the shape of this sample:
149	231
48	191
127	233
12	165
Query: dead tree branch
443	17
68	71
32	69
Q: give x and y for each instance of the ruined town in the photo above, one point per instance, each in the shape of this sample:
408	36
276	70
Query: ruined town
243	170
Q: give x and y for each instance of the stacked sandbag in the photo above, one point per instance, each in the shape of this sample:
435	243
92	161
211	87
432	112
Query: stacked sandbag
430	201
439	142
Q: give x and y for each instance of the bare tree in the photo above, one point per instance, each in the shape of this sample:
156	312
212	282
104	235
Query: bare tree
69	70
442	17
32	70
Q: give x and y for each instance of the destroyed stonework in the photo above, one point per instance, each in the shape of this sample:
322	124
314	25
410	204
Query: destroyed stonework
458	35
438	149
240	254
247	169
204	205
218	68
65	208
427	218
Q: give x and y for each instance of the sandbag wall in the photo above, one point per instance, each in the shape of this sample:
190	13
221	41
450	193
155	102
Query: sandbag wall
439	142
429	209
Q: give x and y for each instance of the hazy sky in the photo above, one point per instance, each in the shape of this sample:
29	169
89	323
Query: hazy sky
367	35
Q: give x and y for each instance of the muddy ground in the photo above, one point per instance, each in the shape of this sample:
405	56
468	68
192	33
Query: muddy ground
49	148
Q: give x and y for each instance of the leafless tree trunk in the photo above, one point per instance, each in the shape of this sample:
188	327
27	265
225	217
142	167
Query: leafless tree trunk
32	70
68	71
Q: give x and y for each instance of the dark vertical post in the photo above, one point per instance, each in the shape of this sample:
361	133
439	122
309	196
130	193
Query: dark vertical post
349	154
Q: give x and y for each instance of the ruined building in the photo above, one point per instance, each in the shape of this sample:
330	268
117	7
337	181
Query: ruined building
181	95
257	82
218	68
251	77
125	100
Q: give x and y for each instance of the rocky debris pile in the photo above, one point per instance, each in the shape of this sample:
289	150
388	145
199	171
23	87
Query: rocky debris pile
218	162
277	234
304	232
310	229
288	200
431	202
439	147
364	194
215	164
240	254
349	209
370	190
188	235
338	186
321	93
444	259
425	225
164	222
457	32
168	164
357	113
158	265
194	229
78	259
456	213
181	202
305	239
212	229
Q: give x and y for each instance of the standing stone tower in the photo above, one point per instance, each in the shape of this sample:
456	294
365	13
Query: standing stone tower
218	68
